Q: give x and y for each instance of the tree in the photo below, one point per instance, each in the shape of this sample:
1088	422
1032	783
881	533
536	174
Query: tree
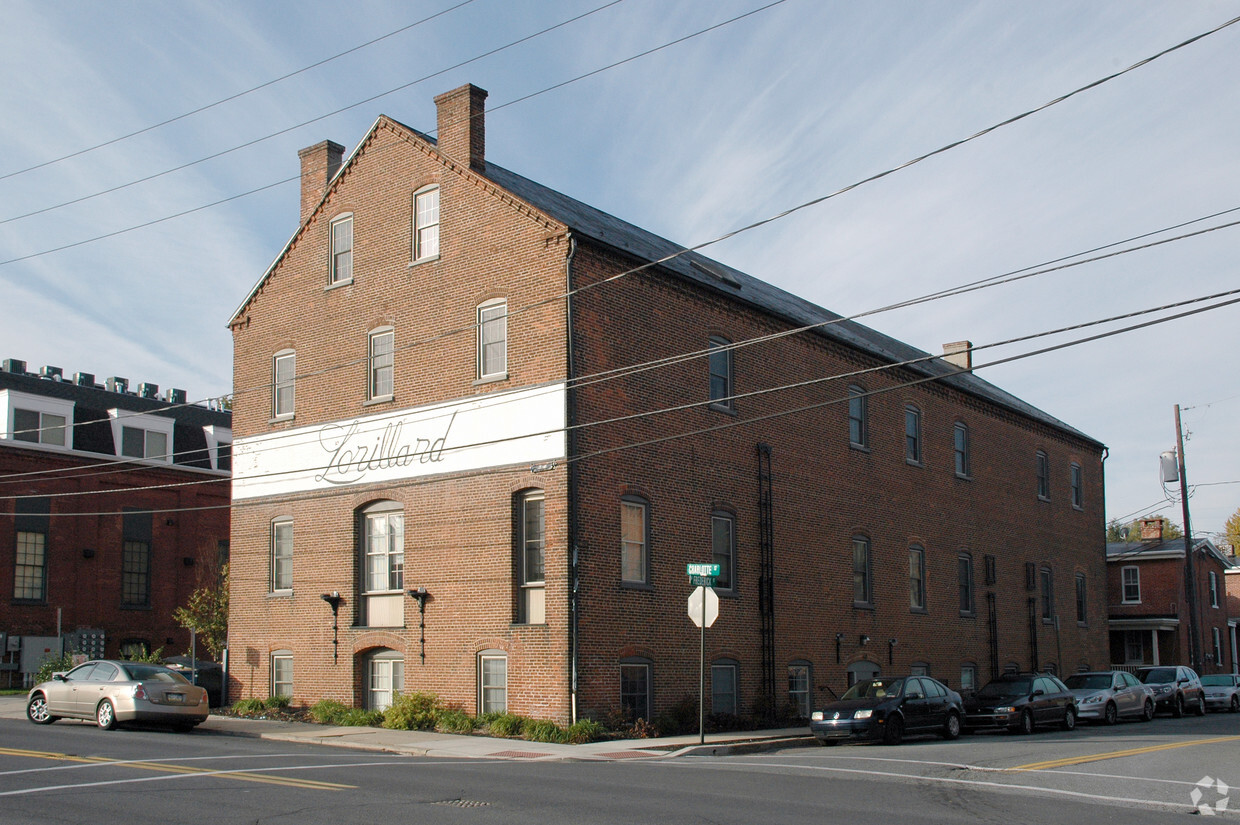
1131	532
207	615
1231	532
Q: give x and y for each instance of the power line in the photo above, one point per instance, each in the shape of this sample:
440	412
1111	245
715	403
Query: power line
231	97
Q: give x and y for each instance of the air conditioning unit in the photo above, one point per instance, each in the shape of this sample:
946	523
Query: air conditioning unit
148	390
52	373
15	366
115	384
84	379
174	396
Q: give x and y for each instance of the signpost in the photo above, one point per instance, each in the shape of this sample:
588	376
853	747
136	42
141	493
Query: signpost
703	610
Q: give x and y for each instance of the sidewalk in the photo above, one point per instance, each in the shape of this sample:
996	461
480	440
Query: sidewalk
422	743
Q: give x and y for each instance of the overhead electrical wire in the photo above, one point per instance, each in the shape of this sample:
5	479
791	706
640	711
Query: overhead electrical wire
900	385
152	127
628	370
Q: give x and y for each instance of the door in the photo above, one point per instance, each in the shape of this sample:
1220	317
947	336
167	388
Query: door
916	705
71	694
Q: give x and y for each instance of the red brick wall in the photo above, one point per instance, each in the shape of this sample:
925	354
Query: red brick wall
87	591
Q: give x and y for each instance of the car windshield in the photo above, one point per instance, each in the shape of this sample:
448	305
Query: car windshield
154	673
1007	687
1158	675
1089	681
874	689
1220	680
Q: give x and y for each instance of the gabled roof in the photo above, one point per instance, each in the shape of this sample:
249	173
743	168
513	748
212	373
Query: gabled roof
1131	552
621	235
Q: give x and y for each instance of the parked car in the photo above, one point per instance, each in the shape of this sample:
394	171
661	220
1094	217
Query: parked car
887	709
1020	702
1222	691
1110	695
1176	688
114	692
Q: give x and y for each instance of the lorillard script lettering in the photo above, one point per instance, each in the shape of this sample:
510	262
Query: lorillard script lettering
354	452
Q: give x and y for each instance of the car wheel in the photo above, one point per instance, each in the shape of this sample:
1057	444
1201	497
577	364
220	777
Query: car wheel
894	731
1110	715
1235	704
951	728
36	710
1201	706
1026	723
105	715
1069	719
1147	713
826	743
1177	707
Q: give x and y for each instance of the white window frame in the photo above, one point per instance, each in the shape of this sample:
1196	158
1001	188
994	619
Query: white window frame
380	366
385	677
492	693
12	400
336	256
488	319
634	549
426	224
1212	579
122	419
1124	584
800	687
532	579
280	660
279	411
282	554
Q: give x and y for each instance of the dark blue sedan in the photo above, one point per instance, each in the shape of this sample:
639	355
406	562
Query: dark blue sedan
887	709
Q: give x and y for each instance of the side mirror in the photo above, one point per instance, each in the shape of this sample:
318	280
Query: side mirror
915	696
59	677
1038	692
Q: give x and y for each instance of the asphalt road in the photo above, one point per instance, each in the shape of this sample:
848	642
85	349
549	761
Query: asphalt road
1132	773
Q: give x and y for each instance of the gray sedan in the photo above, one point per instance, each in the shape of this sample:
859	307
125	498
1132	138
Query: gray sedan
112	692
1108	695
1222	691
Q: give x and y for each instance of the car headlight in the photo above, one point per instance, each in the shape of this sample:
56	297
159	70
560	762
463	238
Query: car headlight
1005	709
1093	700
863	714
1161	689
816	716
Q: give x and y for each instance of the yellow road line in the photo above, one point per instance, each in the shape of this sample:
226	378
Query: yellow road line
244	776
1100	757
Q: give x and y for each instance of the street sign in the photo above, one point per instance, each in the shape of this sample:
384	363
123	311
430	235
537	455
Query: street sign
703	606
702	569
702	581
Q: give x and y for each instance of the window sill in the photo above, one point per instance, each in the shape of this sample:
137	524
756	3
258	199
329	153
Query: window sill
637	586
1044	498
964	477
280	594
1048	622
727	409
528	624
491	379
861	448
726	594
338	284
1138	601
863	605
280	419
1078	508
382	399
428	259
910	462
29	602
146	607
968	614
916	611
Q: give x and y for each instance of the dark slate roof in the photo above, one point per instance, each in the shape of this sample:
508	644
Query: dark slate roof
692	266
92	428
1117	550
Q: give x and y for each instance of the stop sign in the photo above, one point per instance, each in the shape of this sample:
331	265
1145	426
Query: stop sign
711	599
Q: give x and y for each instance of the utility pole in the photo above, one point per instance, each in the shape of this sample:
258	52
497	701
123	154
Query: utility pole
1190	578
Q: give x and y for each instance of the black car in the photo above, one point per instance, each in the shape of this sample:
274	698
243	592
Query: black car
1020	702
889	708
1176	688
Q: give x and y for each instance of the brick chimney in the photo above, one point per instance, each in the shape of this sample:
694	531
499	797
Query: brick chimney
319	164
1151	529
462	126
960	354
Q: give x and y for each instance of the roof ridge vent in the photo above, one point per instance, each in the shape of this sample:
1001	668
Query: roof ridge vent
718	274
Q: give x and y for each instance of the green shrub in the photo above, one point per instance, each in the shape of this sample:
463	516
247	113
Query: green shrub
53	665
455	721
583	731
279	702
506	724
360	718
328	712
249	707
543	730
413	711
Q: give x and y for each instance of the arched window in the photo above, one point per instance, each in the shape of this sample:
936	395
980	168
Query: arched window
636	688
860	671
382	559
492	681
281	673
384	678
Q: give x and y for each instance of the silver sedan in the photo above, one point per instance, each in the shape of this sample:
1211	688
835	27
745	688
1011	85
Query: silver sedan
1222	691
113	692
1108	695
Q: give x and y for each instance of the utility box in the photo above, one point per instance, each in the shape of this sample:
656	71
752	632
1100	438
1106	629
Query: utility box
38	649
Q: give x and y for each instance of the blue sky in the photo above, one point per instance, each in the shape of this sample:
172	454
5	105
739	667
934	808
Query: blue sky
736	125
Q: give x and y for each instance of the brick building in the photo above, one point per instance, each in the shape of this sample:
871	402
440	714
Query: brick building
1149	606
113	510
458	480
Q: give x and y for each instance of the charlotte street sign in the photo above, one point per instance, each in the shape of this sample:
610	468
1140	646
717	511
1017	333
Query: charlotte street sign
702	570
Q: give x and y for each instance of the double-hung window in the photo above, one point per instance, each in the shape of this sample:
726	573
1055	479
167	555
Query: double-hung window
1213	581
719	365
961	438
32	525
281	555
723	548
493	339
912	434
1048	595
381	364
1044	476
531	557
635	690
964	567
633	541
283	387
863	578
341	265
1082	607
383	564
723	688
282	673
1077	480
492	681
917	577
799	694
426	224
136	559
1131	578
858	417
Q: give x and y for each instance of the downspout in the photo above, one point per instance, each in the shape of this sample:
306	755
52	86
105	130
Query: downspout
570	451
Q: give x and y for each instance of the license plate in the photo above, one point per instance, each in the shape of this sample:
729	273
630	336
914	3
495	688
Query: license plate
175	698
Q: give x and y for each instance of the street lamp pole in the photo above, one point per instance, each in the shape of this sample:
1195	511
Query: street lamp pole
1190	578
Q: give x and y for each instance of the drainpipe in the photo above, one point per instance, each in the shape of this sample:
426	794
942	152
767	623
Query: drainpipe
573	509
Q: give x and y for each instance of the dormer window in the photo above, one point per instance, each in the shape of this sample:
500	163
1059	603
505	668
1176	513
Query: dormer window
219	447
35	419
146	437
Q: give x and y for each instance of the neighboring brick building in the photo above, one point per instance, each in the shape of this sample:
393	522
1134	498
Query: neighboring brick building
1149	607
459	481
113	510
